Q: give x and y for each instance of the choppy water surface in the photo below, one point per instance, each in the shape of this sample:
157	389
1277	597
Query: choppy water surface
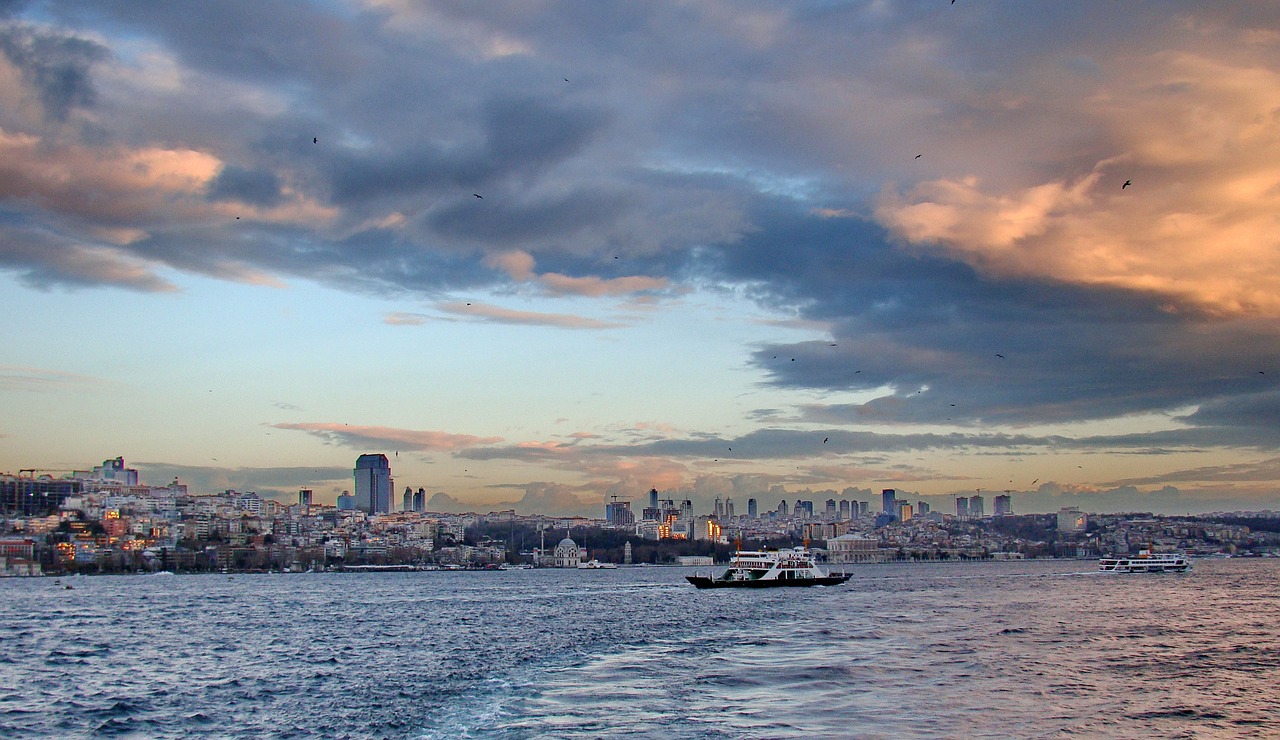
950	650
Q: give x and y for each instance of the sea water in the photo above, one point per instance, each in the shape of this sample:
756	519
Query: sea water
965	650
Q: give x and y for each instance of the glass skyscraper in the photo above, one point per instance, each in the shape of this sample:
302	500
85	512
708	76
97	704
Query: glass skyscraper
373	484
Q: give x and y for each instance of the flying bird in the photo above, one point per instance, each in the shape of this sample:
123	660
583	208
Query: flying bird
1037	480
919	156
481	197
824	440
315	140
1126	184
999	355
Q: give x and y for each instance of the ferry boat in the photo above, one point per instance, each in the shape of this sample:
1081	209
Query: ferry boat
596	565
770	568
1146	562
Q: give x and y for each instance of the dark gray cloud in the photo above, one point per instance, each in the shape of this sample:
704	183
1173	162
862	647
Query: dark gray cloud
256	187
56	65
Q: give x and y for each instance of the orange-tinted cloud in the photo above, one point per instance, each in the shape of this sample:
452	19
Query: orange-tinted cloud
1195	135
389	437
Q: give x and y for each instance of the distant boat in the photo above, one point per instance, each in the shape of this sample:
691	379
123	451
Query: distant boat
1146	562
163	573
594	564
769	569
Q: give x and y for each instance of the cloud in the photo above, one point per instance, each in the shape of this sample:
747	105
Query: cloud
373	437
1194	134
498	315
14	377
400	318
281	483
56	65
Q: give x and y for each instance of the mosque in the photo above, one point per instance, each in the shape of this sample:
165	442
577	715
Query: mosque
566	555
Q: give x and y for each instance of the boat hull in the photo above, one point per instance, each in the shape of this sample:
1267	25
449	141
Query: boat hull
709	582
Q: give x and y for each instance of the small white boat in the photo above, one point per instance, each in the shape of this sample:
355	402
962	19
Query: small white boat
594	564
1146	561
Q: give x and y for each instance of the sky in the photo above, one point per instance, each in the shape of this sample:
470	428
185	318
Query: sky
543	253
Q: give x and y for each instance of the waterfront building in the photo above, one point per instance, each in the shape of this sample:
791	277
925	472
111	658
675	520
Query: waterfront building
112	470
853	548
888	501
1071	519
249	502
618	513
25	497
707	528
567	554
373	484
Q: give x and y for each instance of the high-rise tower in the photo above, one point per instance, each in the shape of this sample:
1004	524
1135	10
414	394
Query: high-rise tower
373	484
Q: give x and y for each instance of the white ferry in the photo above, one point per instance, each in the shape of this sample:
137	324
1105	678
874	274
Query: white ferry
1146	562
596	565
769	568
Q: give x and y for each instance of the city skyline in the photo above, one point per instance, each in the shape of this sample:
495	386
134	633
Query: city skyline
542	255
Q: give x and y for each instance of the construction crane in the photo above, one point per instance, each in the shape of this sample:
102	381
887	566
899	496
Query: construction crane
33	471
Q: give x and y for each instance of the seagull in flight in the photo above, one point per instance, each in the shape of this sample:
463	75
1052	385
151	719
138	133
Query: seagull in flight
824	440
919	156
481	197
1126	184
999	355
315	140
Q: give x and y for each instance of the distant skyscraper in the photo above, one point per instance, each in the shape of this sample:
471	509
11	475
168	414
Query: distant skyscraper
830	513
782	508
845	510
728	508
888	499
922	507
962	507
653	498
420	500
753	509
346	502
373	484
864	508
304	498
1003	505
975	507
408	500
719	509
